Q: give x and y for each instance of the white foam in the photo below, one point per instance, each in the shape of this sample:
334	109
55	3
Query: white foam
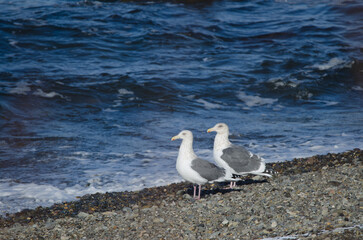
316	147
322	102
110	110
278	107
103	177
357	88
280	83
254	101
304	95
82	153
31	195
333	63
13	43
123	91
305	143
208	105
39	92
190	97
21	87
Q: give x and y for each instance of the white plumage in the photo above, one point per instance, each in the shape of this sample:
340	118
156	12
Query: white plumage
235	159
194	169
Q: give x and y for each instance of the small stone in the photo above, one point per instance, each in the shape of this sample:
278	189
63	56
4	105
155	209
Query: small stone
257	178
50	224
180	192
146	209
83	215
260	226
331	191
293	214
158	220
132	216
233	224
214	235
126	209
63	237
273	224
334	183
109	213
187	196
225	222
324	211
287	194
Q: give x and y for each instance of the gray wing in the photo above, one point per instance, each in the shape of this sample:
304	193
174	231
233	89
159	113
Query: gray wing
207	169
240	159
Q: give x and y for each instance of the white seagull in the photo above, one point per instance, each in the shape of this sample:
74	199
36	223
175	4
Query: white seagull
194	169
235	159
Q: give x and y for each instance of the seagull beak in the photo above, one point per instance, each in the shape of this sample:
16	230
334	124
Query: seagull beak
210	130
174	138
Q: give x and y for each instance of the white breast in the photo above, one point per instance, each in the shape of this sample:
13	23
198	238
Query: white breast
185	170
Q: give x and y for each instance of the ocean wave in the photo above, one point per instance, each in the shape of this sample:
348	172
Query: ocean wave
280	83
254	101
333	63
39	92
31	195
123	91
21	87
208	105
357	88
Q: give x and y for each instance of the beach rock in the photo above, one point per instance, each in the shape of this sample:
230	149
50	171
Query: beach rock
83	215
323	203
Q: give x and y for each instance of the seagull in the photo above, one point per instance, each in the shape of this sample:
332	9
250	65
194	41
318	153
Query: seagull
194	169
235	159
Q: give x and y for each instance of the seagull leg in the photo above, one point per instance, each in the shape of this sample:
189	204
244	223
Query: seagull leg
195	189
230	186
200	189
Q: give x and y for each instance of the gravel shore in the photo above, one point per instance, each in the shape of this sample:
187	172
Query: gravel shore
310	198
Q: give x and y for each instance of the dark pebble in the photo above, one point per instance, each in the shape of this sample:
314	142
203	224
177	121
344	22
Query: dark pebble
98	202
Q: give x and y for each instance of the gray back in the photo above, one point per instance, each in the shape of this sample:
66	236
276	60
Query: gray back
240	160
207	169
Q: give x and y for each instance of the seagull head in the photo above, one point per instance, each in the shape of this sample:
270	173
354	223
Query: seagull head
221	128
185	134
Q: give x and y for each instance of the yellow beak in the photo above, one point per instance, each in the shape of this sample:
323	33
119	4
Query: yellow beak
174	138
210	130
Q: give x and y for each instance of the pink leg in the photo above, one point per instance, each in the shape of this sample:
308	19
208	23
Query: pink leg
195	189
230	186
200	189
234	184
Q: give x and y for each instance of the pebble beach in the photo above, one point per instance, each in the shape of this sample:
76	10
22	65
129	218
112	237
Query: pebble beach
308	198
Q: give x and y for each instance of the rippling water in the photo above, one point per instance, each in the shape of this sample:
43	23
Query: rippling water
92	91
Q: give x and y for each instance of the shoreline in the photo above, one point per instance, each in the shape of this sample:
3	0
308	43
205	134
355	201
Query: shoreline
295	178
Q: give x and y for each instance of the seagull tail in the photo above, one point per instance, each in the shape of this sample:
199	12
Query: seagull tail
268	172
262	174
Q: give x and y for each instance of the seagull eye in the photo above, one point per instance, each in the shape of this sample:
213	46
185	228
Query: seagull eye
220	126
183	133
